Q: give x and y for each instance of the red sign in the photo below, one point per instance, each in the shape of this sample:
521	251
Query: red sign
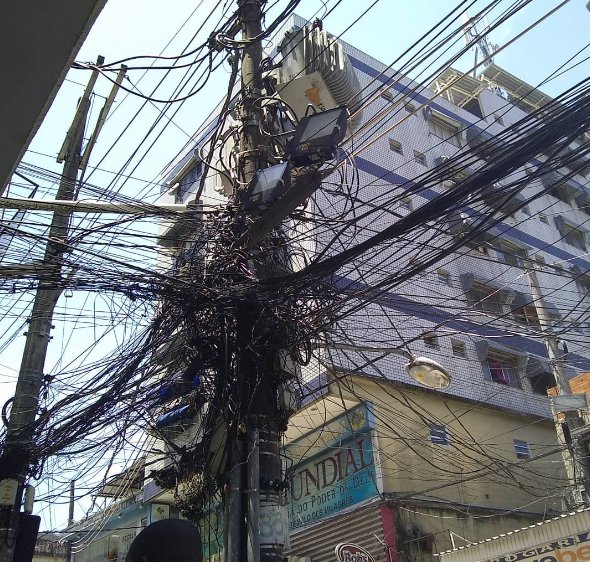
348	552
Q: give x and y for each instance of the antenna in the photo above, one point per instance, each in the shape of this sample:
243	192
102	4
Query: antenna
482	43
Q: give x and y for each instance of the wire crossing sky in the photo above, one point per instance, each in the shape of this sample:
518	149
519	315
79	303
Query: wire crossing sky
97	400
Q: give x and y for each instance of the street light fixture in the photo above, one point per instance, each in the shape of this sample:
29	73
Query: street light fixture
423	370
428	372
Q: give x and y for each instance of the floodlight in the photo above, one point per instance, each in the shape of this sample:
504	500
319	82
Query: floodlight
317	137
428	372
268	185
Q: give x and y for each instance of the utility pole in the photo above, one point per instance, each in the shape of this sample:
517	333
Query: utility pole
15	460
576	462
255	519
71	517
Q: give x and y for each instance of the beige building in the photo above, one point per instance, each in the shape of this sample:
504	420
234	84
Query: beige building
443	472
50	549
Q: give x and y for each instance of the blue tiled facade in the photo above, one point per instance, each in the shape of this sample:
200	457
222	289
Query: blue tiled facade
437	301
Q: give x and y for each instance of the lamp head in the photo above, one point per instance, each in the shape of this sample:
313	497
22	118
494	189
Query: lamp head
317	137
428	373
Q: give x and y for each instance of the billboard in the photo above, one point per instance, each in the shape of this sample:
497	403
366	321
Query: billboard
567	549
334	468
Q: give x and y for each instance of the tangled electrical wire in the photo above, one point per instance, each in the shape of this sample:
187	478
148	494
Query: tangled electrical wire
348	248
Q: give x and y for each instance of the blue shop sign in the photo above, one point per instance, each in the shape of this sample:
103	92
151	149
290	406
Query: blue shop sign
338	476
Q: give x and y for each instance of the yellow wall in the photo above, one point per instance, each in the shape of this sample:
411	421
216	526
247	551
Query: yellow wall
478	468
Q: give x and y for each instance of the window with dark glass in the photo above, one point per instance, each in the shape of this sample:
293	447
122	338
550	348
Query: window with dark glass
395	146
511	254
439	434
445	130
522	449
487	299
575	237
458	348
583	285
430	340
419	157
527	315
503	369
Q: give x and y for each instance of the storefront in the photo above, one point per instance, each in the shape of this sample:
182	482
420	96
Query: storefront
108	535
334	491
560	539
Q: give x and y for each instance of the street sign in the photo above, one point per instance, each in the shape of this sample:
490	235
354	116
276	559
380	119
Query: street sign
569	402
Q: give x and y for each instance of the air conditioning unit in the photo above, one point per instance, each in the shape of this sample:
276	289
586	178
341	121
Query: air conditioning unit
448	184
172	188
440	160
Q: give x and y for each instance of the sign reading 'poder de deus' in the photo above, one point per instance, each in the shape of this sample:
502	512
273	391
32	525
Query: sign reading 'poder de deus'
341	474
568	549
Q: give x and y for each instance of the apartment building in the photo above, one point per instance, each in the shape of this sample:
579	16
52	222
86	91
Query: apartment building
374	459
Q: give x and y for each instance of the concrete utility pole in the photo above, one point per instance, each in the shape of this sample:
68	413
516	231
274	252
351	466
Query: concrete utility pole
576	462
16	456
71	518
255	519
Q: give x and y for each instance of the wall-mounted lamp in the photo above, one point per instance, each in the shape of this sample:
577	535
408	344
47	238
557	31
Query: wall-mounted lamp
423	370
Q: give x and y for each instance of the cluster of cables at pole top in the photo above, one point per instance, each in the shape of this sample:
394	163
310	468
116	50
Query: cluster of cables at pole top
191	342
347	248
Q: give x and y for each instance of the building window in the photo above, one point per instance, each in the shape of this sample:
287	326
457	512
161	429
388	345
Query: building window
522	449
419	157
430	340
543	218
445	130
511	254
478	247
188	183
575	237
396	146
439	434
458	348
387	95
583	204
487	299
443	276
502	368
542	382
526	315
561	192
